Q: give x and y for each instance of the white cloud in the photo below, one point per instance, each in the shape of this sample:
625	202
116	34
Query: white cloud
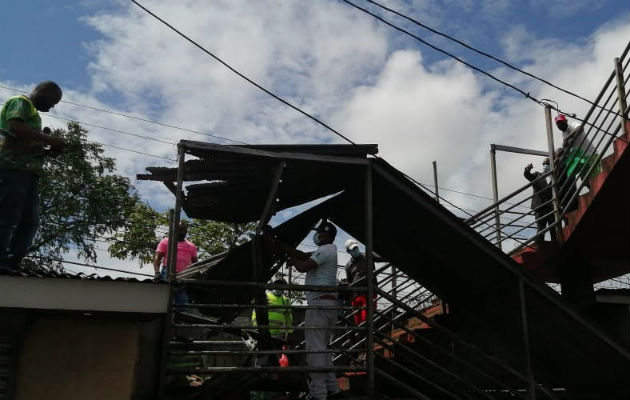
338	65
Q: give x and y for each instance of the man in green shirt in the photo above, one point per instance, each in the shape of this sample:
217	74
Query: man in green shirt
21	160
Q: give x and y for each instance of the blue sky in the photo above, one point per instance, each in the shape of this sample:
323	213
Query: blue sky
363	78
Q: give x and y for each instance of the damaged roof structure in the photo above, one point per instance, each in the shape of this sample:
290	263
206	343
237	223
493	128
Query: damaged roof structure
500	308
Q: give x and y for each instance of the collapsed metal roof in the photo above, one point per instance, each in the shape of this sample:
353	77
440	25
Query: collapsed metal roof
237	179
423	239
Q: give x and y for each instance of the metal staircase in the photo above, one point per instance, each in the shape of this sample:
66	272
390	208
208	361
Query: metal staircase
585	203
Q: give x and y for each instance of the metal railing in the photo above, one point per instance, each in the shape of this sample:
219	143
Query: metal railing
510	223
400	365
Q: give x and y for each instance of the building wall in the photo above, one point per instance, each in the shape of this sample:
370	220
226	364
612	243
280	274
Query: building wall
77	357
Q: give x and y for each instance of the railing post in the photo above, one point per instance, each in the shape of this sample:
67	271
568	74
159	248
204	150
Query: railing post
531	390
260	297
394	294
621	93
554	179
435	182
171	268
172	240
369	250
495	194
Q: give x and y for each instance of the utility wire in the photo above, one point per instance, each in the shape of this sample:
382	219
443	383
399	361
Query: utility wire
481	71
61	260
488	55
164	124
225	64
111	129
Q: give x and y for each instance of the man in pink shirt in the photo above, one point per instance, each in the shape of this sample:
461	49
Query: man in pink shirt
186	255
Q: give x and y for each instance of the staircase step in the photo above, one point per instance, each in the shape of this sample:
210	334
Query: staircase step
620	146
585	200
598	181
608	163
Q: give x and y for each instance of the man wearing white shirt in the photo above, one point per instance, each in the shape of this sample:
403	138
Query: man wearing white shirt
321	270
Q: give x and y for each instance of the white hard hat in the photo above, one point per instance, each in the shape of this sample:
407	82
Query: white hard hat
351	244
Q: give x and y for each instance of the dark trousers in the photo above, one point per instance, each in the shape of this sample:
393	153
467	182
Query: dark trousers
19	215
542	221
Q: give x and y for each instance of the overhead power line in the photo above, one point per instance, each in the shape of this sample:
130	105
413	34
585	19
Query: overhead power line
111	129
225	64
478	69
129	116
61	260
486	54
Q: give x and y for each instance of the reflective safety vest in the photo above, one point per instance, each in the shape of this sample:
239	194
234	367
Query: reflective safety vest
278	316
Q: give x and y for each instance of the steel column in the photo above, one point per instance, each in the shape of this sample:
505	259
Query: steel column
369	252
531	390
170	264
495	195
260	297
394	293
621	93
435	182
554	181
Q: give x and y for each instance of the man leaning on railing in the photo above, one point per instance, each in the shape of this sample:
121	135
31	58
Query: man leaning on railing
579	151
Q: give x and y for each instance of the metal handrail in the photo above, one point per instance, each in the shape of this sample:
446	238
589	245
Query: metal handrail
599	128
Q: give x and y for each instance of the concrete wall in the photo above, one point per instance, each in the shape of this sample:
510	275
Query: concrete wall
69	357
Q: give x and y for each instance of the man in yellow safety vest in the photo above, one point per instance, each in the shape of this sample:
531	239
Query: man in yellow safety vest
279	313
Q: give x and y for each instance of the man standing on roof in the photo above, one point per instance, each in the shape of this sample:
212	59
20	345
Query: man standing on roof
186	255
321	270
21	160
541	199
580	154
356	269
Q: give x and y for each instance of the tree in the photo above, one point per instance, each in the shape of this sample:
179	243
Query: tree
82	201
146	227
212	237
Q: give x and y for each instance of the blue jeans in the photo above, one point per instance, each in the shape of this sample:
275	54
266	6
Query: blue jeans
180	296
19	215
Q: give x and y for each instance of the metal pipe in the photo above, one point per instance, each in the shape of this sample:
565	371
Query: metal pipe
172	240
271	286
272	307
495	195
456	338
554	184
531	388
435	182
448	354
432	363
266	352
519	150
369	252
621	92
274	370
286	328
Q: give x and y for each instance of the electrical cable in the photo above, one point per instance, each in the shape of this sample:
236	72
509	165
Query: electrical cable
260	87
111	129
488	55
61	260
475	68
164	124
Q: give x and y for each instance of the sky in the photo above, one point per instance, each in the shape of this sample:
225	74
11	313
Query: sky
370	82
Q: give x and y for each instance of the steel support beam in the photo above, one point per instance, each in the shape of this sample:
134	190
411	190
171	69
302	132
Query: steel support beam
495	197
369	254
554	179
